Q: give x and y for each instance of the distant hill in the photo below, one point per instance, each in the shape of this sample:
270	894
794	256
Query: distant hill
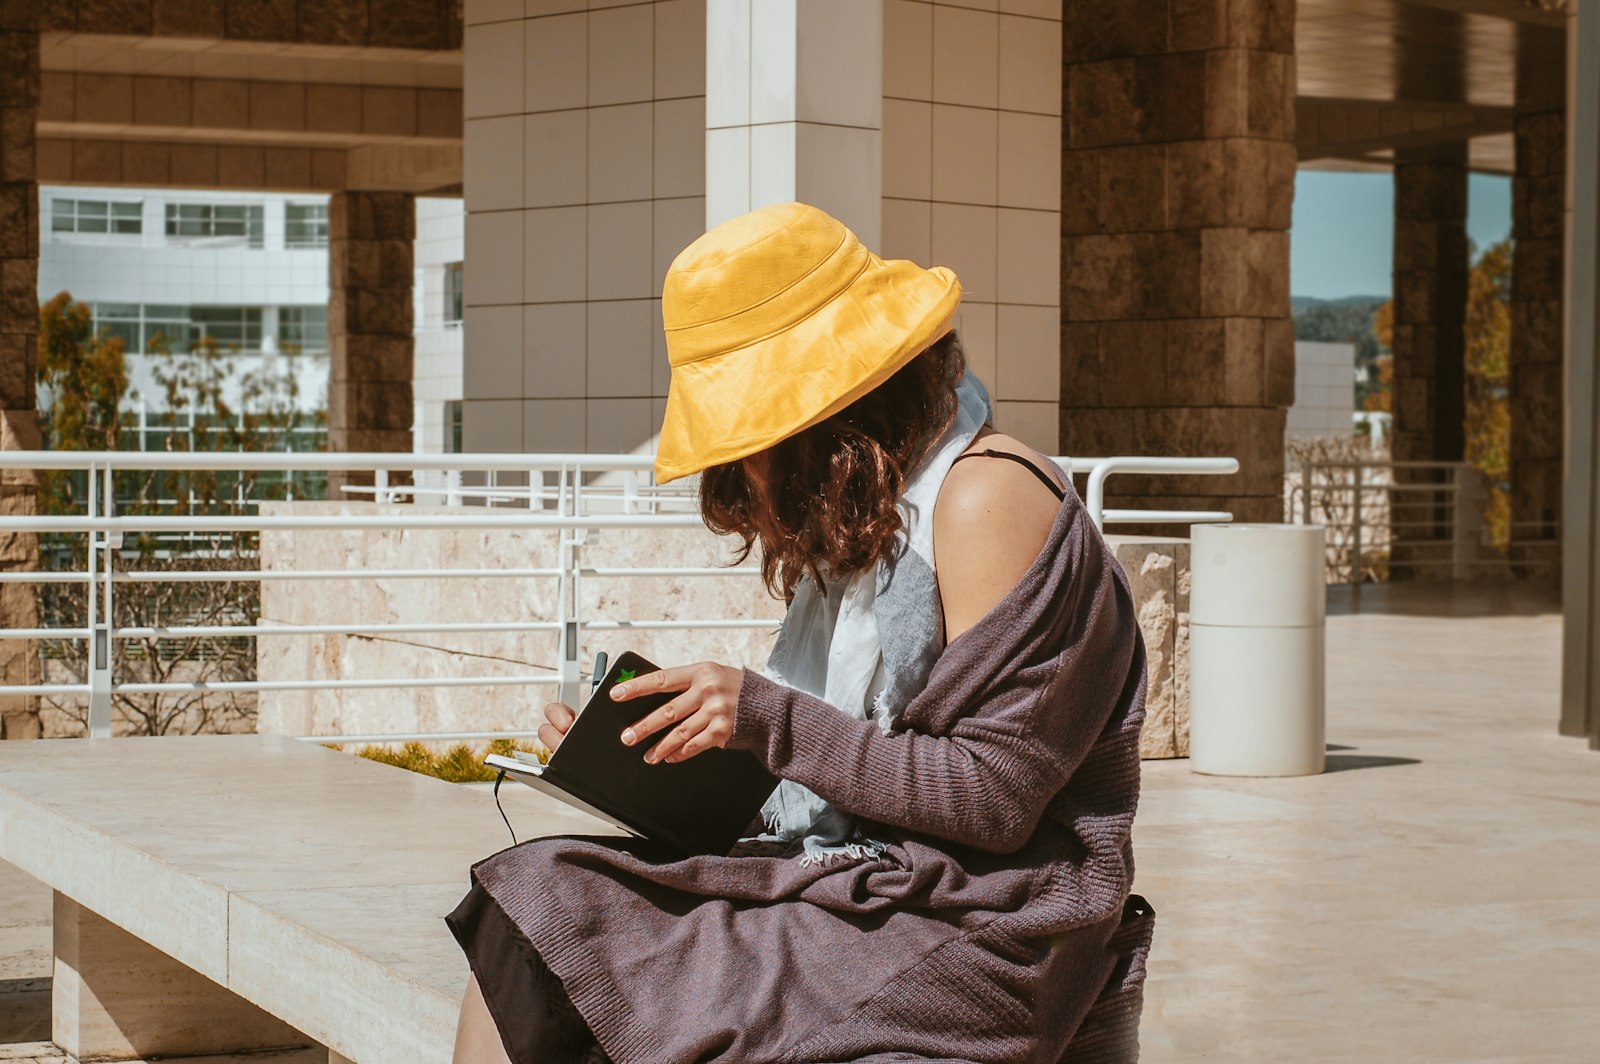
1347	320
1337	320
1299	303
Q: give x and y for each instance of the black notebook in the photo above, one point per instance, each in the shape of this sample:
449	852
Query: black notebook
702	805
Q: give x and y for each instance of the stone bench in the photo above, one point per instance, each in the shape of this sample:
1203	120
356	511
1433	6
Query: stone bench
251	898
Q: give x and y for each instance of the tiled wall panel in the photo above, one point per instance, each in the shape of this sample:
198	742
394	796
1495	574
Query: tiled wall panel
587	173
972	180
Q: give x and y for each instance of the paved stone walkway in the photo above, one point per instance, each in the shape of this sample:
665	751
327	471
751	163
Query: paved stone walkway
1433	899
32	1053
1429	899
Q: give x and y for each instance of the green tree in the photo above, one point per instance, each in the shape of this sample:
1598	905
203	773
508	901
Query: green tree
82	379
83	382
1488	376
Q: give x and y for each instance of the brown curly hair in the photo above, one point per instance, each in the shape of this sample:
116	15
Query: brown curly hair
835	485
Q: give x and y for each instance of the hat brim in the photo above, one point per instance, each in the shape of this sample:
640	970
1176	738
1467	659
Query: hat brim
733	405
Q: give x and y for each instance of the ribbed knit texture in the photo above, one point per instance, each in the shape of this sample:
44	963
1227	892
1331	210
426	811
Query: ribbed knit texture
997	926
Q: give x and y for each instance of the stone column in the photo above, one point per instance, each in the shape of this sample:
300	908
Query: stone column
1430	311
1537	389
19	343
1176	194
115	997
1580	503
371	238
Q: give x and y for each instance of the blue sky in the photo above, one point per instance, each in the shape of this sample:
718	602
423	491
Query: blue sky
1343	238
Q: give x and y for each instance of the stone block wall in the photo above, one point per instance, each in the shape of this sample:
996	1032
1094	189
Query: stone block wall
1177	187
371	246
1158	572
1430	310
1430	304
465	598
19	342
1537	382
416	24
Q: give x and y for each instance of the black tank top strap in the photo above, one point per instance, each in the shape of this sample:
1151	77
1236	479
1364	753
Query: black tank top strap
1049	481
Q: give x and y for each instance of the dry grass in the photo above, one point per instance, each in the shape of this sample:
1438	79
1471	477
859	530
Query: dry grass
459	763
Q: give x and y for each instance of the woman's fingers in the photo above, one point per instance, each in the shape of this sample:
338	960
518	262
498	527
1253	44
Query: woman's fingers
672	744
558	721
680	708
560	715
674	679
551	736
701	717
714	734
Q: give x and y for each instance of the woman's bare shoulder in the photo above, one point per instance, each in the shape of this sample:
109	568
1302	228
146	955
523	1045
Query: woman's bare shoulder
991	519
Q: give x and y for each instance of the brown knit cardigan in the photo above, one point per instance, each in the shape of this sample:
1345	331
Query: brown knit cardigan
997	927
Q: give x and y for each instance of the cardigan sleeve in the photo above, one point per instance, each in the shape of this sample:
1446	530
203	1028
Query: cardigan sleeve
984	785
999	747
1009	712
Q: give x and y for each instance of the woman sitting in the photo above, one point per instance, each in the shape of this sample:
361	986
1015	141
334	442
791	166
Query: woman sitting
953	707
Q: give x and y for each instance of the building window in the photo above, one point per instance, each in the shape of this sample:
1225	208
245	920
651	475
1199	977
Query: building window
96	216
155	327
230	328
452	427
230	223
454	293
302	330
305	225
151	327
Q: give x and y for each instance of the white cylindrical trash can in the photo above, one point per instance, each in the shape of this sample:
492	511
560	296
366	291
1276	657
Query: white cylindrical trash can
1257	617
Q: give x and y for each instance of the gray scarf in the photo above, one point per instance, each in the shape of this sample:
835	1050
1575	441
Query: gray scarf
867	644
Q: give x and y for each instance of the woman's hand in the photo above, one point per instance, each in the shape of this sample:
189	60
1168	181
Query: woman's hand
703	712
558	720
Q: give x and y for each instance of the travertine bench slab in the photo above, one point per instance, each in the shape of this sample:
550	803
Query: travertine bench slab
227	895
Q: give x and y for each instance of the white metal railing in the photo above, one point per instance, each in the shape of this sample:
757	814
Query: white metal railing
572	494
1427	517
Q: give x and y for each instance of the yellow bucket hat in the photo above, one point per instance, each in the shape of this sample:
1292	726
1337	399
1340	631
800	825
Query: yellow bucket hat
779	319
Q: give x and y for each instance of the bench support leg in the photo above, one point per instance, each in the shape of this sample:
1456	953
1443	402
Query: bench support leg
115	997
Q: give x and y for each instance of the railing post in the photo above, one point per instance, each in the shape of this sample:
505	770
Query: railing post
1095	500
1466	521
452	487
567	601
1305	488
1357	569
99	656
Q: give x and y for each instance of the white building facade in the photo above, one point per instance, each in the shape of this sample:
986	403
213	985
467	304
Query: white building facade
166	269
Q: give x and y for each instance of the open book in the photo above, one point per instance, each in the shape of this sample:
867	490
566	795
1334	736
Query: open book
702	805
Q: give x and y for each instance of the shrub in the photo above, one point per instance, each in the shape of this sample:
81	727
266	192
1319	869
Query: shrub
459	763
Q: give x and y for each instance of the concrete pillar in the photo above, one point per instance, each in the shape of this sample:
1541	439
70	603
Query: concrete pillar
115	997
1176	195
1537	222
794	108
19	340
1580	503
1430	310
371	241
